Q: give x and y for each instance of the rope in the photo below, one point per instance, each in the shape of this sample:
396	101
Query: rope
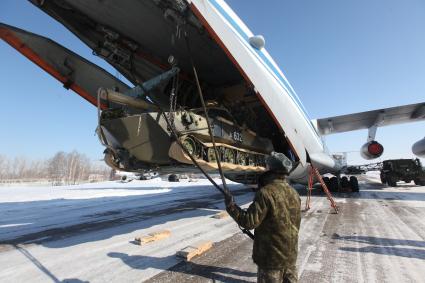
310	188
201	97
313	172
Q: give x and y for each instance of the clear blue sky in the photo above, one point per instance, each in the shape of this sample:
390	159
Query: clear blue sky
340	56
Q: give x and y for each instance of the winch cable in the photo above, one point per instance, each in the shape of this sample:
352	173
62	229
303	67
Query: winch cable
176	136
226	190
201	98
173	130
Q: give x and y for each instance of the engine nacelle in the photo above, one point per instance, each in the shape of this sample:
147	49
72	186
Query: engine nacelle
418	148
371	150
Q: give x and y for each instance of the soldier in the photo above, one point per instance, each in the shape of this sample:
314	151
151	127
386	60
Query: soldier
275	215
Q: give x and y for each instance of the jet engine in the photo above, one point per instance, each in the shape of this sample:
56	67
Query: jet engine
418	148
371	150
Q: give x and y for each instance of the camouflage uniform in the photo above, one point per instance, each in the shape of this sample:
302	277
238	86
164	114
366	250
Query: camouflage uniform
275	215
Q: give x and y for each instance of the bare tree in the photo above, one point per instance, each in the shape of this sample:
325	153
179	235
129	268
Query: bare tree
62	168
2	166
57	167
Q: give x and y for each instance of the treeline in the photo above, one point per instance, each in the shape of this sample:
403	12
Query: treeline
62	168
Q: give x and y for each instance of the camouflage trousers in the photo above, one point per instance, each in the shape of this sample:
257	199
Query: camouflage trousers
277	275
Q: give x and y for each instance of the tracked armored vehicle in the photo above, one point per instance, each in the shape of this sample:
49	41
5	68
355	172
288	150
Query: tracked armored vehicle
135	134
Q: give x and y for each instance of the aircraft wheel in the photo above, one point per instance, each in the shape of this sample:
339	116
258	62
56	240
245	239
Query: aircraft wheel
344	182
354	184
173	178
333	184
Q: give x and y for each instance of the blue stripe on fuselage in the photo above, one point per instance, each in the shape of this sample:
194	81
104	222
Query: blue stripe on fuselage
266	62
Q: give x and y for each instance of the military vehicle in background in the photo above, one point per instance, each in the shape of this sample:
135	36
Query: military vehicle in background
406	170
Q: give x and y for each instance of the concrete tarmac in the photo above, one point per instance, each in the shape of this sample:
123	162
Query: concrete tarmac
378	236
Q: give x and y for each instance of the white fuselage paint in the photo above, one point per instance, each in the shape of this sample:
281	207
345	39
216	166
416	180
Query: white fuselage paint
271	85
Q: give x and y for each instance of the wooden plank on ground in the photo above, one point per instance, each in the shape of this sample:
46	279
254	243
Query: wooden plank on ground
153	237
221	215
194	250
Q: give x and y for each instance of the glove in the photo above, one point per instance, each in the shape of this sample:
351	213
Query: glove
229	200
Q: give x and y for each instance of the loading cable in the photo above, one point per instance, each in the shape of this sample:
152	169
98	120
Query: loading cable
225	191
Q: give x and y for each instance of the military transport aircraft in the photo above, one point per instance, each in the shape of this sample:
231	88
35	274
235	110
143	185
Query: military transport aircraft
202	82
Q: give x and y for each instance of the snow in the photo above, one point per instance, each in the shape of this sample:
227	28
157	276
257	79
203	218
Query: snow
86	232
96	223
20	193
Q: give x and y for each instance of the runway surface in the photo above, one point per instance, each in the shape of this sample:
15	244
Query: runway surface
85	234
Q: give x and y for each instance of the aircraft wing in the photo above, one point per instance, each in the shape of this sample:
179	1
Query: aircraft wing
72	70
368	119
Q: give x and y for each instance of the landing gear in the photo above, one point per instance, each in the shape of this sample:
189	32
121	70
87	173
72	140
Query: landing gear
333	184
354	184
344	184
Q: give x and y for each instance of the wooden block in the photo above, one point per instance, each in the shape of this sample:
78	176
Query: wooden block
153	237
221	215
194	250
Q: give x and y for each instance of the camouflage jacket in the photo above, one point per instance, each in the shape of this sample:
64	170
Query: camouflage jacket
275	215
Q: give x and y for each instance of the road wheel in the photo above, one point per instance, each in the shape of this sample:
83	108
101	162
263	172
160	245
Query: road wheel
333	184
354	184
191	147
383	180
173	178
229	155
392	182
211	154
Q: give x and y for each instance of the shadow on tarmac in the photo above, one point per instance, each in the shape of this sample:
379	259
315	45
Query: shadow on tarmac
214	273
385	246
109	223
44	269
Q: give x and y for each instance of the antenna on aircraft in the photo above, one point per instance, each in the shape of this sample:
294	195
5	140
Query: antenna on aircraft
257	41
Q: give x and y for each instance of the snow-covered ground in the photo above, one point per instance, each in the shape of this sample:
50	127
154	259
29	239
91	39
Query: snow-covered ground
24	193
85	233
44	230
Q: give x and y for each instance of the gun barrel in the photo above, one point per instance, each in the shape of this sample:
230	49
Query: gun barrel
117	97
